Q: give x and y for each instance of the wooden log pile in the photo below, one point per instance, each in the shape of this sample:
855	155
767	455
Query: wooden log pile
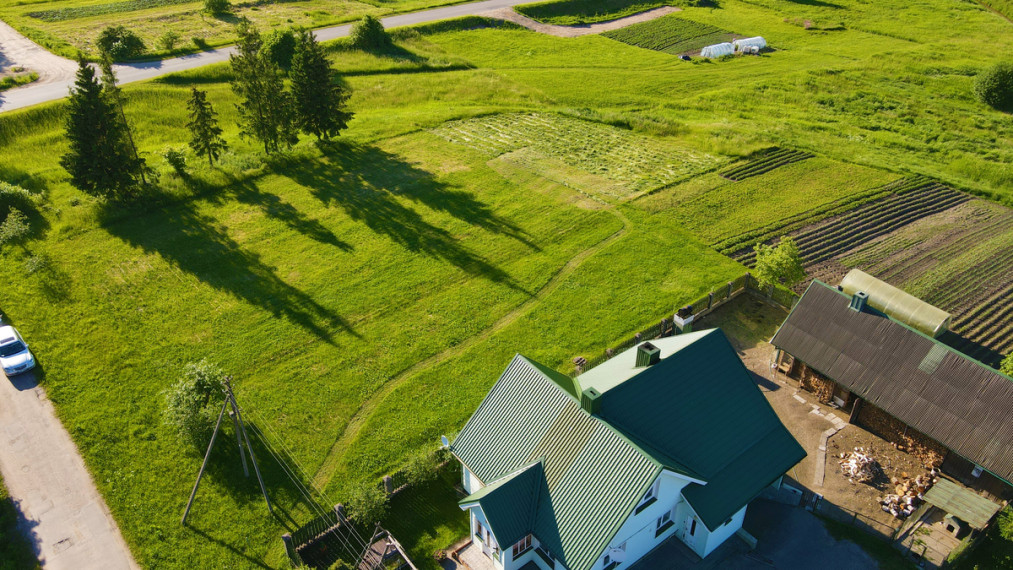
908	493
859	465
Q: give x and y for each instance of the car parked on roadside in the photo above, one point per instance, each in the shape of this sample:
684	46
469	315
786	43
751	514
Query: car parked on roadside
15	357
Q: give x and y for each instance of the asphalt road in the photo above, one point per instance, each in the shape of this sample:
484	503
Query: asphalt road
53	86
62	512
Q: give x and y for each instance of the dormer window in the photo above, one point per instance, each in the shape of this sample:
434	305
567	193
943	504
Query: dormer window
649	497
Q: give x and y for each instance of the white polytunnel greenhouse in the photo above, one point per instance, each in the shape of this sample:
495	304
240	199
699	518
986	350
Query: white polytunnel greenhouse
718	50
757	42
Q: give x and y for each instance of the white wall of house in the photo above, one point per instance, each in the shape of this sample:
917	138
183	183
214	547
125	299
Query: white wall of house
469	481
639	535
723	532
484	541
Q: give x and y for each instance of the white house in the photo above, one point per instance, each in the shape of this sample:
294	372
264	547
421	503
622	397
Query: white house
668	439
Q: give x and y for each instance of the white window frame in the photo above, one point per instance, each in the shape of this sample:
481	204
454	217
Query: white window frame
652	493
523	545
665	518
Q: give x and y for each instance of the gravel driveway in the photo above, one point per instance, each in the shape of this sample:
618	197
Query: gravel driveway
16	49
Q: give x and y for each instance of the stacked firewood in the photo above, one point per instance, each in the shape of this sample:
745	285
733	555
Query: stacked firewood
859	465
908	493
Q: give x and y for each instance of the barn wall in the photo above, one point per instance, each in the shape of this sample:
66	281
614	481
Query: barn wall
895	431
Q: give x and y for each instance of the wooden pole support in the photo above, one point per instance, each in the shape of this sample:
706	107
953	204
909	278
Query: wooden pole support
203	465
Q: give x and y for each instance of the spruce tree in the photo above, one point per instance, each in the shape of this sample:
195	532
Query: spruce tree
265	112
112	91
99	160
205	134
319	101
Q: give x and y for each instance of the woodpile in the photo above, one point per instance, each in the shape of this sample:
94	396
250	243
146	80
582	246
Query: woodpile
860	466
821	387
908	493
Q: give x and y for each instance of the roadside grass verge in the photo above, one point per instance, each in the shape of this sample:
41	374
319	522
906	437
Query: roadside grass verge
17	80
576	12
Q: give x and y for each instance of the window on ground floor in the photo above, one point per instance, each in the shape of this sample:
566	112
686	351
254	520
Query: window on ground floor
663	523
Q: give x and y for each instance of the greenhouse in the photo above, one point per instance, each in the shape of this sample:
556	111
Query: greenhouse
718	50
757	42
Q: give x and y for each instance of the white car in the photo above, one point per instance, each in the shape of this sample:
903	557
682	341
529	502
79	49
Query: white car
15	357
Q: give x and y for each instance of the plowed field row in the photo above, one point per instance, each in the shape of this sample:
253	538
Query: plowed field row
764	164
847	231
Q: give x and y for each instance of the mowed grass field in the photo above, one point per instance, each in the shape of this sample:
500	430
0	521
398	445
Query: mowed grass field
366	294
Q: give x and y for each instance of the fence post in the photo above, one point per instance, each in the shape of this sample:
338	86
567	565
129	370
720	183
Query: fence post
710	300
339	510
388	484
293	554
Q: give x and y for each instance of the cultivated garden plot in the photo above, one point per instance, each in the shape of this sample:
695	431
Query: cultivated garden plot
634	161
671	34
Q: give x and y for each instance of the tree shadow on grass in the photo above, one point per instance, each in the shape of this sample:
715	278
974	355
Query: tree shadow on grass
366	182
199	245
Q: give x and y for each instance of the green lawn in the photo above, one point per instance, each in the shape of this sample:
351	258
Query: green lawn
366	294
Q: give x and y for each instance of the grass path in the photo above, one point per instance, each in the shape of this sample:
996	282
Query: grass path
369	405
511	15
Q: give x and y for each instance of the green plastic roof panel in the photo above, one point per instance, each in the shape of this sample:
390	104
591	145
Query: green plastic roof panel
962	503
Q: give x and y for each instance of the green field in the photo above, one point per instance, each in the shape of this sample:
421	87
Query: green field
577	12
671	34
498	191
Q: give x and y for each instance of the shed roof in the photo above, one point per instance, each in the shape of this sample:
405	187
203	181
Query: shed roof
962	503
926	384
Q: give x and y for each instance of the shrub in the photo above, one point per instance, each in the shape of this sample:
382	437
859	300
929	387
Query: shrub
216	7
37	264
15	227
367	503
994	87
280	47
368	34
1007	365
175	158
781	264
120	43
168	40
199	43
421	468
12	196
187	402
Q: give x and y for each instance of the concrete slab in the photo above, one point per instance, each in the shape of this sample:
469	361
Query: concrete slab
62	513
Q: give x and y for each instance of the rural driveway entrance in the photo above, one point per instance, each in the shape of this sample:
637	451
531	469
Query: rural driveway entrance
62	512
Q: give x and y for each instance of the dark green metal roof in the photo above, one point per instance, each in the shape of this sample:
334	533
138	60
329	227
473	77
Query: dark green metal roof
510	503
700	408
697	412
591	476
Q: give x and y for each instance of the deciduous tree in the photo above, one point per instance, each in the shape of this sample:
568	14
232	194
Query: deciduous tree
1007	365
319	100
205	134
781	264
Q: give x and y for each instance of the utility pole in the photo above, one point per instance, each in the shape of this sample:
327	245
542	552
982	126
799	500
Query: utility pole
241	435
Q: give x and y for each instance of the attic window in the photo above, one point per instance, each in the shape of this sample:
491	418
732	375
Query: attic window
649	497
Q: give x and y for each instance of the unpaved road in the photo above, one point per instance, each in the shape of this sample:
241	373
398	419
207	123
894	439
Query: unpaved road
56	74
62	512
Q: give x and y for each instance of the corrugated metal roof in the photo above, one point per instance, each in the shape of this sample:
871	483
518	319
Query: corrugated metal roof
509	504
935	389
962	503
700	408
592	477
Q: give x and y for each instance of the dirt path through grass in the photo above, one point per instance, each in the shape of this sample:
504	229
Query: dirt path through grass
63	514
510	15
368	406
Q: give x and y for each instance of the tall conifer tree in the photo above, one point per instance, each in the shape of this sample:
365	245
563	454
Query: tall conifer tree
99	160
205	134
319	100
265	111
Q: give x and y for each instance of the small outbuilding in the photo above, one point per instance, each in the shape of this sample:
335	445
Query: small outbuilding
718	50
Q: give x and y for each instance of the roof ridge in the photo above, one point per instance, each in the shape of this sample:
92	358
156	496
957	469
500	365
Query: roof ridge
916	331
